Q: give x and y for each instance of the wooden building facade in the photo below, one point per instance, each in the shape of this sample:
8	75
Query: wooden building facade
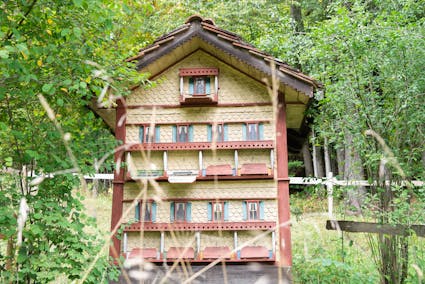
204	161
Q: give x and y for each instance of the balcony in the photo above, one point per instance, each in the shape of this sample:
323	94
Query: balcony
210	226
196	100
263	144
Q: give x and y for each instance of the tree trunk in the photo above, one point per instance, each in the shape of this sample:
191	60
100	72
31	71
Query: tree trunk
340	158
296	16
308	164
353	170
394	250
328	168
320	162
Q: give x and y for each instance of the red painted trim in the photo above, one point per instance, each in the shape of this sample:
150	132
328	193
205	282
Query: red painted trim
119	176
211	226
216	105
210	178
202	199
284	242
170	261
203	122
198	71
198	100
264	144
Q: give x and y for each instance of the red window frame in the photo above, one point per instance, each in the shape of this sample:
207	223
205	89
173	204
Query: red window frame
248	209
253	135
185	136
184	211
148	129
213	213
142	211
217	135
197	81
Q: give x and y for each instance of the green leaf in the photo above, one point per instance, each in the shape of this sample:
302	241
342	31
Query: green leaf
77	32
59	102
8	161
4	53
48	89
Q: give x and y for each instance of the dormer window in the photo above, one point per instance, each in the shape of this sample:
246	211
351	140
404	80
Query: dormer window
198	86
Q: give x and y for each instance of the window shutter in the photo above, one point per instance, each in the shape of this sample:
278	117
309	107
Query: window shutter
244	136
188	211
153	213
190	134
225	132
226	211
209	211
171	212
141	134
244	211
261	210
174	133
137	212
157	134
191	86
209	132
207	86
260	131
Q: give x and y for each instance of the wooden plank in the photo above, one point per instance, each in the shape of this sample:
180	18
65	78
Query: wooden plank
365	227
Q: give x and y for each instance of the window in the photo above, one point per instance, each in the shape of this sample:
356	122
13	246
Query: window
199	86
148	214
218	211
253	131
253	210
149	134
180	211
183	133
220	134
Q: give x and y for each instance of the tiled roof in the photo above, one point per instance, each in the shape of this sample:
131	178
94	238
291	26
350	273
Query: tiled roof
221	34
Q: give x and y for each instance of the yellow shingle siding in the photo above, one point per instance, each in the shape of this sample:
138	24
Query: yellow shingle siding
234	86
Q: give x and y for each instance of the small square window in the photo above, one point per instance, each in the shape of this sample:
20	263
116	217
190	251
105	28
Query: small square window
253	210
200	86
146	134
146	214
218	211
180	211
182	133
253	131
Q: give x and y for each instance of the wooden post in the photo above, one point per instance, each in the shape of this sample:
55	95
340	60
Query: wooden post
330	190
118	187
285	251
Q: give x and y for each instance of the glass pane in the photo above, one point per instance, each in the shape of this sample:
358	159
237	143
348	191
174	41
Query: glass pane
252	131
182	134
220	133
253	212
180	211
147	212
148	136
199	86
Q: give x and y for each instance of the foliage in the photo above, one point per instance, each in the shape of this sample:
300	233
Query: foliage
62	51
55	238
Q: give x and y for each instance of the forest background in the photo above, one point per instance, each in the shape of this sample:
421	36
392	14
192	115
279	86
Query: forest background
367	121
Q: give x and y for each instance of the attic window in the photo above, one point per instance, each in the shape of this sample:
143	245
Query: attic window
198	85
